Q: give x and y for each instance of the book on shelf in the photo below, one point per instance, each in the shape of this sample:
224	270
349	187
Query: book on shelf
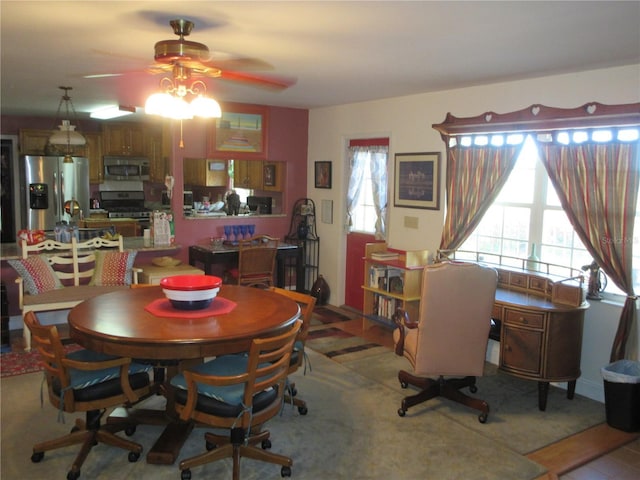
375	274
386	255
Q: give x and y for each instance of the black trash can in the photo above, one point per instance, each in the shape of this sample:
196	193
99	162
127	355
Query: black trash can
622	394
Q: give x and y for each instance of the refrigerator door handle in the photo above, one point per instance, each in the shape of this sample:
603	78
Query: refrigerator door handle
55	194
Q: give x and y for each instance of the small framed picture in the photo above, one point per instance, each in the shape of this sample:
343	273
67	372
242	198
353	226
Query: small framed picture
417	178
323	174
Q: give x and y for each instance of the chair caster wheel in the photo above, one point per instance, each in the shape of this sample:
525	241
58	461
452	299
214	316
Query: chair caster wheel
37	457
73	475
482	418
401	412
130	431
185	474
266	444
303	410
404	384
134	456
75	429
473	389
210	446
285	471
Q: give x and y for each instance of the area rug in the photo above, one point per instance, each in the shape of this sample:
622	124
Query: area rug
351	431
513	401
326	314
339	345
19	363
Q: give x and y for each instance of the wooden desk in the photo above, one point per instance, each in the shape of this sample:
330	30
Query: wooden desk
228	254
539	340
118	324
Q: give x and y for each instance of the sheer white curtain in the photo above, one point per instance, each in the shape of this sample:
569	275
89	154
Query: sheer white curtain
373	159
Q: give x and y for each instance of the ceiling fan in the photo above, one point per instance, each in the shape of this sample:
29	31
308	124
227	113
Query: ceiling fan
185	58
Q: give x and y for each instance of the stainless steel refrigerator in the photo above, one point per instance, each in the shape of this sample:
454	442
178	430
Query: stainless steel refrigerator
49	185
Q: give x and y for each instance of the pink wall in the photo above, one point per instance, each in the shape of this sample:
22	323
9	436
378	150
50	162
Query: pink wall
287	142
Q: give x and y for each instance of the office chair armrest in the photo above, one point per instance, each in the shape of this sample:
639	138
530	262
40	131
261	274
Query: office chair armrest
402	321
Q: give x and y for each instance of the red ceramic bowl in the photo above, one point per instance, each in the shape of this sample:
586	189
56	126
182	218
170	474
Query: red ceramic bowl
191	282
191	292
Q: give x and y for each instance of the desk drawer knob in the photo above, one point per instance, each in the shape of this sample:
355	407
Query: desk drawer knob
523	320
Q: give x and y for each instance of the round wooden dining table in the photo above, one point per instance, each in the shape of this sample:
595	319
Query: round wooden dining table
120	323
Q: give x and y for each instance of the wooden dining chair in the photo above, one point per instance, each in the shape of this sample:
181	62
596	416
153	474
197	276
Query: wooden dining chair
298	357
238	393
256	262
90	382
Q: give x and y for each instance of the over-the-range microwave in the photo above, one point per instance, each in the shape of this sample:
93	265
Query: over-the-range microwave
126	168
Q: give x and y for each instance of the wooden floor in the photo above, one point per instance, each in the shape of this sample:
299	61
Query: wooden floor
599	453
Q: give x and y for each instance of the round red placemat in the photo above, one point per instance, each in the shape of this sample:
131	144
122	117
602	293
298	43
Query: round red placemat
162	307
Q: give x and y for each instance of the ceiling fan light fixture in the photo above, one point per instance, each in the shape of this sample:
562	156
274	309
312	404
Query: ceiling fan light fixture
206	107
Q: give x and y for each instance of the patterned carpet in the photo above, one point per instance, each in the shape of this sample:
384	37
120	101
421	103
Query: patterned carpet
19	363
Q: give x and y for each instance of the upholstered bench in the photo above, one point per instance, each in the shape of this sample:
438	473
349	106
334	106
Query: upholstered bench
58	276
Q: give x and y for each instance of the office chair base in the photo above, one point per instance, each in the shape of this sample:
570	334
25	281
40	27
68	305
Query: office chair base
290	397
235	447
449	388
89	437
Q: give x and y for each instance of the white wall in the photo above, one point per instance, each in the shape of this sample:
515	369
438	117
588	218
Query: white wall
407	122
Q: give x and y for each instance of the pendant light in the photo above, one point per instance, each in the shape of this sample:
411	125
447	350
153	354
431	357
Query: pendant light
67	134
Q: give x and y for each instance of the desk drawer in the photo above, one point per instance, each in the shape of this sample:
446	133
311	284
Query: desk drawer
519	317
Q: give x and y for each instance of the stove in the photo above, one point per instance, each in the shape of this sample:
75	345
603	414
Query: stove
124	204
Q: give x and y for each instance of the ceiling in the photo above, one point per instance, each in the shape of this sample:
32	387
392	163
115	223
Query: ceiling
339	52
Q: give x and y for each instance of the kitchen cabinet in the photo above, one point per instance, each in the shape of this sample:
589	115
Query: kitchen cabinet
123	139
247	174
127	227
273	176
391	283
205	172
93	151
36	142
158	151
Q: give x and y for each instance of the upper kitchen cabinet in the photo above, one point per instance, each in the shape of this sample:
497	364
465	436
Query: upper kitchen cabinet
158	150
34	142
123	139
247	174
205	172
273	177
93	151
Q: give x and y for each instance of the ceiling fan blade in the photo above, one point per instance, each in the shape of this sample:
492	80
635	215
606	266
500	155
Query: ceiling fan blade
264	81
223	61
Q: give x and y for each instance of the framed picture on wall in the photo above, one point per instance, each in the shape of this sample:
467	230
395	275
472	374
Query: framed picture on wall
240	133
417	180
323	174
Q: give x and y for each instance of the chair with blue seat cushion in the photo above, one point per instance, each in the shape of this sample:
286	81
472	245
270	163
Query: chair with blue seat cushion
90	382
298	357
238	393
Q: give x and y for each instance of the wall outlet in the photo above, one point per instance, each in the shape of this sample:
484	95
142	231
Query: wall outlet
410	222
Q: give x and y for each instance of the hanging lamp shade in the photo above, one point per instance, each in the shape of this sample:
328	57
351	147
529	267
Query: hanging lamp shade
67	135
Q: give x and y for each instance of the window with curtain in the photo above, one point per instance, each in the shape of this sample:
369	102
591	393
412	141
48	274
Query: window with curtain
368	186
527	218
